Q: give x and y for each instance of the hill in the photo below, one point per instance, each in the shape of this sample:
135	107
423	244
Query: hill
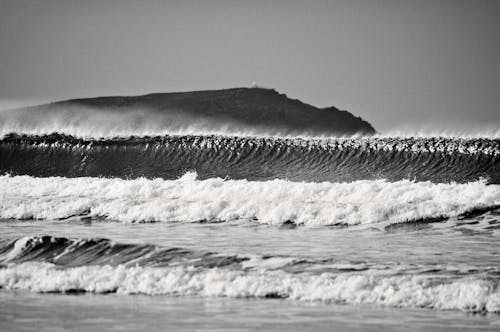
248	110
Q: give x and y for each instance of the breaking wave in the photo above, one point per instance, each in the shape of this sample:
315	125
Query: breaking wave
313	160
188	199
46	264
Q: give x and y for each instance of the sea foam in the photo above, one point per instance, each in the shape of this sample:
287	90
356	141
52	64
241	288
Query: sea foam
273	202
369	288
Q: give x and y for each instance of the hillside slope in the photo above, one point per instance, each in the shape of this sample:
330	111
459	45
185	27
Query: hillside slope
238	110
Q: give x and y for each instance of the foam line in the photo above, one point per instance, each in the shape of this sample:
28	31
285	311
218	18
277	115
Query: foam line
188	199
395	291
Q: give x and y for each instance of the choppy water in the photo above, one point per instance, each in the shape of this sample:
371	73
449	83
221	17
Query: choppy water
320	231
245	276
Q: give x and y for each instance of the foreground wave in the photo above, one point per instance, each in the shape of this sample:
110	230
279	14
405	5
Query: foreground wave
188	199
313	160
47	264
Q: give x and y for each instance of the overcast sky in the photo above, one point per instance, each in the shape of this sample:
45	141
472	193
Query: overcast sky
396	63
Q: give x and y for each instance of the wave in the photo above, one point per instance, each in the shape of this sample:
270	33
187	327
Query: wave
78	252
313	160
46	264
188	199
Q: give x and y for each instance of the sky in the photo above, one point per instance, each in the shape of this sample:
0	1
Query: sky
399	64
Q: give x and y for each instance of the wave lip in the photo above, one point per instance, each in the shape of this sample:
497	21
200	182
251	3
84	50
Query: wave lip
79	252
42	264
188	199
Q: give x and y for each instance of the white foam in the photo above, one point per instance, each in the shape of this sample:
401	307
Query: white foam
368	288
189	200
18	248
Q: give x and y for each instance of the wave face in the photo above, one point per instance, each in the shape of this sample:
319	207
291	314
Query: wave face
49	264
393	221
217	200
260	159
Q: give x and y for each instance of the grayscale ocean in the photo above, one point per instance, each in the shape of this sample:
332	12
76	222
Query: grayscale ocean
236	233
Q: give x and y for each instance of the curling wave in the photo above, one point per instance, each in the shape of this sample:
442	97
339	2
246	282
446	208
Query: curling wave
45	264
188	199
312	160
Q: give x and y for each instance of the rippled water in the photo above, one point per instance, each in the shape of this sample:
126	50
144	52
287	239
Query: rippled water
242	233
454	249
52	312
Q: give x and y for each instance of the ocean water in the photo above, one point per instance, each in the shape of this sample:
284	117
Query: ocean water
239	233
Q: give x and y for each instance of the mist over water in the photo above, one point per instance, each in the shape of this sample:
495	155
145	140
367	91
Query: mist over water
382	210
94	123
486	131
87	122
146	185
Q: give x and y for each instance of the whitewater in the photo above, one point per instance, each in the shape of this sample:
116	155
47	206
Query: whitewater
217	200
134	207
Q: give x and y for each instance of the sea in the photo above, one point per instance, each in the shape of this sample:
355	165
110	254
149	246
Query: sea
230	232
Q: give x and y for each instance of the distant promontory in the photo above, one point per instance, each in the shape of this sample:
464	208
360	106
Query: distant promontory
256	110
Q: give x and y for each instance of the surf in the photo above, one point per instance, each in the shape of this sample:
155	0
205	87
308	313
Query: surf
440	160
189	199
72	266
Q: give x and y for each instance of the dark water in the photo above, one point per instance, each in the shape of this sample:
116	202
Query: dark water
254	159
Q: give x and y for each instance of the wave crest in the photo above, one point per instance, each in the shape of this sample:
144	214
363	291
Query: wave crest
273	202
47	264
334	160
395	291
